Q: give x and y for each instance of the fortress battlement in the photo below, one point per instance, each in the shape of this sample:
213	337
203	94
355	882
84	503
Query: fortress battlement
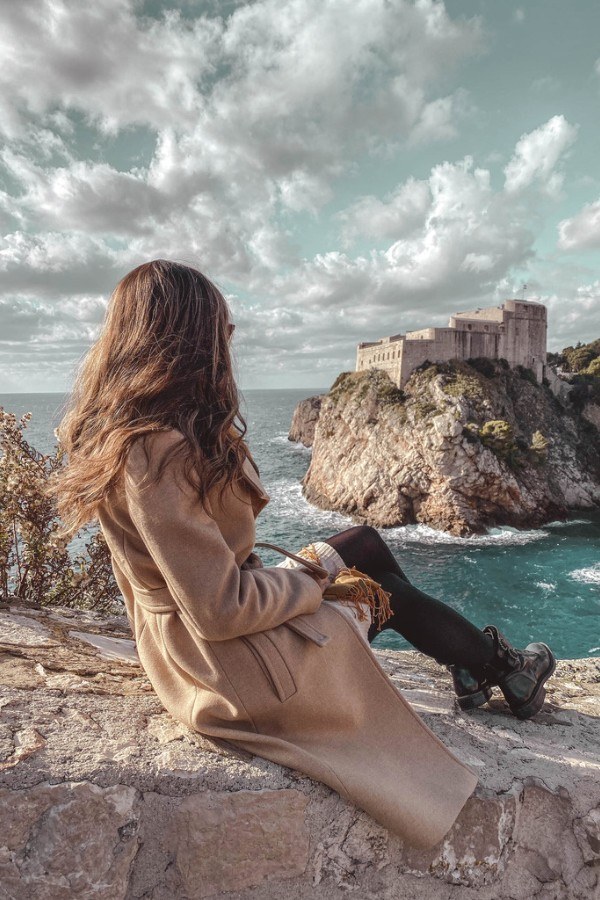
515	331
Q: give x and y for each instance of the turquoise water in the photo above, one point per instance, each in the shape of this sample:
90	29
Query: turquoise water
541	584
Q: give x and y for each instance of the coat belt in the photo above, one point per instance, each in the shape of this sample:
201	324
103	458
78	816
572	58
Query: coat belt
160	600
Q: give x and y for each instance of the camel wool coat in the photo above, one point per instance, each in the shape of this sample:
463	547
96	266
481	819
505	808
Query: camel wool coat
258	659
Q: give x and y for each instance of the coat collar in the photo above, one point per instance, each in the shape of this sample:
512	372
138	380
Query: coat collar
253	479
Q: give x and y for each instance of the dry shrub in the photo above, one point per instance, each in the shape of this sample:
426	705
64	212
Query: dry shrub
35	565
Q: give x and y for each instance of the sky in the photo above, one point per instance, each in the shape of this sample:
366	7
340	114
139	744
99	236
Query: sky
341	169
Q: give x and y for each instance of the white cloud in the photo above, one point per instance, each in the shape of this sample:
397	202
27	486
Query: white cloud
575	312
581	231
253	75
457	239
102	60
463	236
94	198
255	116
55	264
537	154
440	118
395	216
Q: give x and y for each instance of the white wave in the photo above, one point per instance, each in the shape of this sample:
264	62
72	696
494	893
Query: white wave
589	575
287	501
282	438
545	585
567	523
424	534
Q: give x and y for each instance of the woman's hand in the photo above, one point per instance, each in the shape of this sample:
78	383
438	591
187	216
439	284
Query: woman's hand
322	582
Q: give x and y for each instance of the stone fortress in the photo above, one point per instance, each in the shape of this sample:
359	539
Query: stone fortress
515	331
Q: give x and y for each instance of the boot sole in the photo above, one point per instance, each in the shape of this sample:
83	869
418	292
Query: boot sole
472	701
536	701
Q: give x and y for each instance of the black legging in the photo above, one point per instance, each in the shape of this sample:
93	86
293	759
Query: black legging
430	625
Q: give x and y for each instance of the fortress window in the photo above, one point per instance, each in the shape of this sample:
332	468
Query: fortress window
469	326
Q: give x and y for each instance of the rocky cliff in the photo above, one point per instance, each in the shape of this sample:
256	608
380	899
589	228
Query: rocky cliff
304	421
462	447
103	795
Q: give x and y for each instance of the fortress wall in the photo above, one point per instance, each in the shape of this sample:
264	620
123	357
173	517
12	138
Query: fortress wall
423	334
525	335
378	355
416	351
470	344
516	331
383	354
489	313
465	324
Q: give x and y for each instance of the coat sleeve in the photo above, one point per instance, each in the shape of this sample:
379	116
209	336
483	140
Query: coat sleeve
219	599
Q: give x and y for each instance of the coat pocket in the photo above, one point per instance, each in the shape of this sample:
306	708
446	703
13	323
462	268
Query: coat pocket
272	663
301	625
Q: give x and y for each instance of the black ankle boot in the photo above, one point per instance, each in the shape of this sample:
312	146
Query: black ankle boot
470	690
520	674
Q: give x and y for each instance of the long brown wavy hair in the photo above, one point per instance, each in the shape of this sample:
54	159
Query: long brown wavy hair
162	361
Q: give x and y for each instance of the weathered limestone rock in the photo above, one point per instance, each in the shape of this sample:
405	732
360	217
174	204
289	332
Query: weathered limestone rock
456	450
304	420
103	795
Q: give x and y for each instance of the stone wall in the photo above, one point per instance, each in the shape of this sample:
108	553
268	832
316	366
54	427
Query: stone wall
103	795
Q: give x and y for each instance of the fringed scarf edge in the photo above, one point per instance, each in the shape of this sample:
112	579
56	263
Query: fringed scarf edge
361	590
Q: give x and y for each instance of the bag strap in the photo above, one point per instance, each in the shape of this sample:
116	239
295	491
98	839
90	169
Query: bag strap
300	559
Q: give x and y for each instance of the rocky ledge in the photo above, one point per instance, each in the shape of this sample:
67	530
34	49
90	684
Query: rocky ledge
103	795
460	448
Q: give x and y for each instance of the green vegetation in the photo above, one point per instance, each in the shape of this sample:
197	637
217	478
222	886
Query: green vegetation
499	437
422	407
460	384
483	365
527	374
539	447
582	358
463	379
35	566
359	384
594	368
497	434
341	382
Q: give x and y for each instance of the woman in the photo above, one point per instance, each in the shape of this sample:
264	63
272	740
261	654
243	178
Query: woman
246	654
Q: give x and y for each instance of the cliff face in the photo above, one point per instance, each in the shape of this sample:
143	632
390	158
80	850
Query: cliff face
103	795
462	447
304	421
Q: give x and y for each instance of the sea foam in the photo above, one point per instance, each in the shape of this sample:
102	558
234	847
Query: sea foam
282	438
288	500
588	575
424	534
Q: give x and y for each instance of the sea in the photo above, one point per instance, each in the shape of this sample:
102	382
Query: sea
539	584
